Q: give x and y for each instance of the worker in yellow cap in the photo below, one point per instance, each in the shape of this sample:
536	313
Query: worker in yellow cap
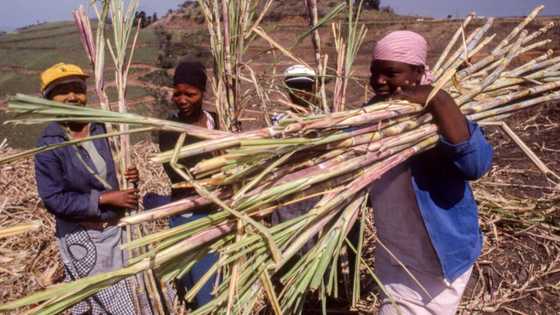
78	185
64	75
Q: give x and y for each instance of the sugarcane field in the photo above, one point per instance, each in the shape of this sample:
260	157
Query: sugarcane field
279	157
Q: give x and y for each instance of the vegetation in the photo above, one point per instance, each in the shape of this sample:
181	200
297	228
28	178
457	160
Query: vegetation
253	173
372	4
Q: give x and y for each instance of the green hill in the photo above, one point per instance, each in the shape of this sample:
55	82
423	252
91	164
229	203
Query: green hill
24	54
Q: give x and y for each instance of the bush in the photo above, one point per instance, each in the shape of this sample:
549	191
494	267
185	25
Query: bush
387	9
199	19
372	4
158	77
166	61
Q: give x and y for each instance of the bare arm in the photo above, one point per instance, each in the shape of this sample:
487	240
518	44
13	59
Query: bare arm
450	121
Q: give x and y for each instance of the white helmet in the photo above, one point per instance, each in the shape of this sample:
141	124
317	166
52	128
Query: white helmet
299	73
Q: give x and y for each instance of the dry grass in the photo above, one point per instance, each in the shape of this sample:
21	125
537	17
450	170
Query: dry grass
518	273
519	269
30	262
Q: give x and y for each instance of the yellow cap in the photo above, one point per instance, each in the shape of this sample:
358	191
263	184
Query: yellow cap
60	71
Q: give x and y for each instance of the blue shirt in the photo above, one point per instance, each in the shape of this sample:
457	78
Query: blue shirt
440	179
68	189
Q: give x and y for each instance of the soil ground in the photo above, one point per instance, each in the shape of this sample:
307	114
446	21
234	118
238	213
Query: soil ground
519	272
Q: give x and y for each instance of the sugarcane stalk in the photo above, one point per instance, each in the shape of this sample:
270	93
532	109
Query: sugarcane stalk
312	13
20	229
540	31
550	174
84	27
539	77
123	25
99	57
472	41
205	193
529	66
371	139
95	51
346	52
516	106
27	153
452	42
496	73
494	56
175	208
55	111
520	27
485	73
482	106
449	74
387	111
554	62
359	245
339	165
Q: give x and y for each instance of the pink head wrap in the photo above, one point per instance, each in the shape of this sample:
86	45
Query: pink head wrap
406	47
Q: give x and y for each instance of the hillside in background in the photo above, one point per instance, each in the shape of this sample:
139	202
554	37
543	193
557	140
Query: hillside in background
518	272
25	53
288	9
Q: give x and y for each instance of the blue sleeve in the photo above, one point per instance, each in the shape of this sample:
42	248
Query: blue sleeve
472	157
56	197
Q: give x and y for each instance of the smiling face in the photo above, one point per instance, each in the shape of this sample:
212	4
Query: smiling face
70	93
387	76
188	99
74	93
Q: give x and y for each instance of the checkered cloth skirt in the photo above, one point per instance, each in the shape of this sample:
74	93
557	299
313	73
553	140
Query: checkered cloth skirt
85	253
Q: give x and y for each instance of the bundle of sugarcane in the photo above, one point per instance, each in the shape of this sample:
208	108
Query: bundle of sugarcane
332	157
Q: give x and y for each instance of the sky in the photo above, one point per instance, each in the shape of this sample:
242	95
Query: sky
441	8
17	13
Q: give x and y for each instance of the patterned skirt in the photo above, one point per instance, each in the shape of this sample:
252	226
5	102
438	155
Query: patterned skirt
87	252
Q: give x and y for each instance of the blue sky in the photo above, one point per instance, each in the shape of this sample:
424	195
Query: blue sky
441	8
17	13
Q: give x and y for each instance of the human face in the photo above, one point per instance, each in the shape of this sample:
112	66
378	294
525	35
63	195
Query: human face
70	93
187	98
301	93
388	76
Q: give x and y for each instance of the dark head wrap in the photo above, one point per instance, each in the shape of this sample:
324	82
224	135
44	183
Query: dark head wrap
191	73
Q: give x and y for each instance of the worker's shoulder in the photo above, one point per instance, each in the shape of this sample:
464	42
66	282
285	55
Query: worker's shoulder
53	133
174	116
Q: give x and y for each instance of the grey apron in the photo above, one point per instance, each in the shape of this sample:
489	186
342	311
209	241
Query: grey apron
86	252
90	252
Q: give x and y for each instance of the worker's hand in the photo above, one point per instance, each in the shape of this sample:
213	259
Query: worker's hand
132	175
127	199
417	94
447	115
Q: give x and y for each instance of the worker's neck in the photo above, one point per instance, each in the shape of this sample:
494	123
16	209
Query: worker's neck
193	117
78	130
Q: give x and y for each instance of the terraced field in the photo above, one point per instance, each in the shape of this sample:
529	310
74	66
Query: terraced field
519	272
24	54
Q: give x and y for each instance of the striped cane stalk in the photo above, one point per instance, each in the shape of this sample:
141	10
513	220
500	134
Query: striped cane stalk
327	159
